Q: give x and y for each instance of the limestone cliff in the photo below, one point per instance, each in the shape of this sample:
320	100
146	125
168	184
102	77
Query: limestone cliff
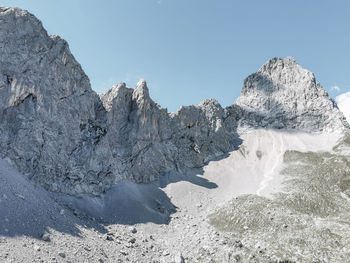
56	129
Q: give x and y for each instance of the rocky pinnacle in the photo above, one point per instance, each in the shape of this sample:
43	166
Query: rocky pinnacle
283	95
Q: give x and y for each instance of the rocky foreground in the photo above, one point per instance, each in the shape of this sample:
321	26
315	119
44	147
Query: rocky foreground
116	178
219	214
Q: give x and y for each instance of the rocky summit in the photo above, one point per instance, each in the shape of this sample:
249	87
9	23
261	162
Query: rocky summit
57	130
283	95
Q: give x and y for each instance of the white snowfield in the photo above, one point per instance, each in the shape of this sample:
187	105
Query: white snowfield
253	169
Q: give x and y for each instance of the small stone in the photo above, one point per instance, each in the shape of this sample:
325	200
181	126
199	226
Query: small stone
20	196
179	259
133	230
76	212
238	244
123	252
132	240
36	247
223	242
109	238
62	255
46	237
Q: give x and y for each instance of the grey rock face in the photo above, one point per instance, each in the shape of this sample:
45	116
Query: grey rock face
56	129
70	140
281	94
147	142
47	107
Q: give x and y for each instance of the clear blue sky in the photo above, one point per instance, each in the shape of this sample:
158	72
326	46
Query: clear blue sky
189	50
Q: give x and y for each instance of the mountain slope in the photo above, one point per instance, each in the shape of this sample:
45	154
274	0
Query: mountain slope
70	140
307	219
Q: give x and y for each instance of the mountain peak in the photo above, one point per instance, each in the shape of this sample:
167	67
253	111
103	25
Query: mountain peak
289	60
278	73
282	94
141	90
108	97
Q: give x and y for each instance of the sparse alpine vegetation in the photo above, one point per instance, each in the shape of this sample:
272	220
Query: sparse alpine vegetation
309	220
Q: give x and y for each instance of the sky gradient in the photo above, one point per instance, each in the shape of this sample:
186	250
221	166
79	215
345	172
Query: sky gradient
189	50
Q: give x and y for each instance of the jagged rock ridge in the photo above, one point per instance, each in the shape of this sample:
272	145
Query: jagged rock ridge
55	128
70	140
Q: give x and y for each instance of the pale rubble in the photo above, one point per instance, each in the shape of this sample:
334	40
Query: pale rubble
57	130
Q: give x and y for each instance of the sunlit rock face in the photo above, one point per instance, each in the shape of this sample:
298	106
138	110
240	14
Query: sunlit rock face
70	140
57	130
151	142
47	108
281	94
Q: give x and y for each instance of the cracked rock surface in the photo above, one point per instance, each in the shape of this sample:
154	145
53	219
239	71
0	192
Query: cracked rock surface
70	140
57	130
